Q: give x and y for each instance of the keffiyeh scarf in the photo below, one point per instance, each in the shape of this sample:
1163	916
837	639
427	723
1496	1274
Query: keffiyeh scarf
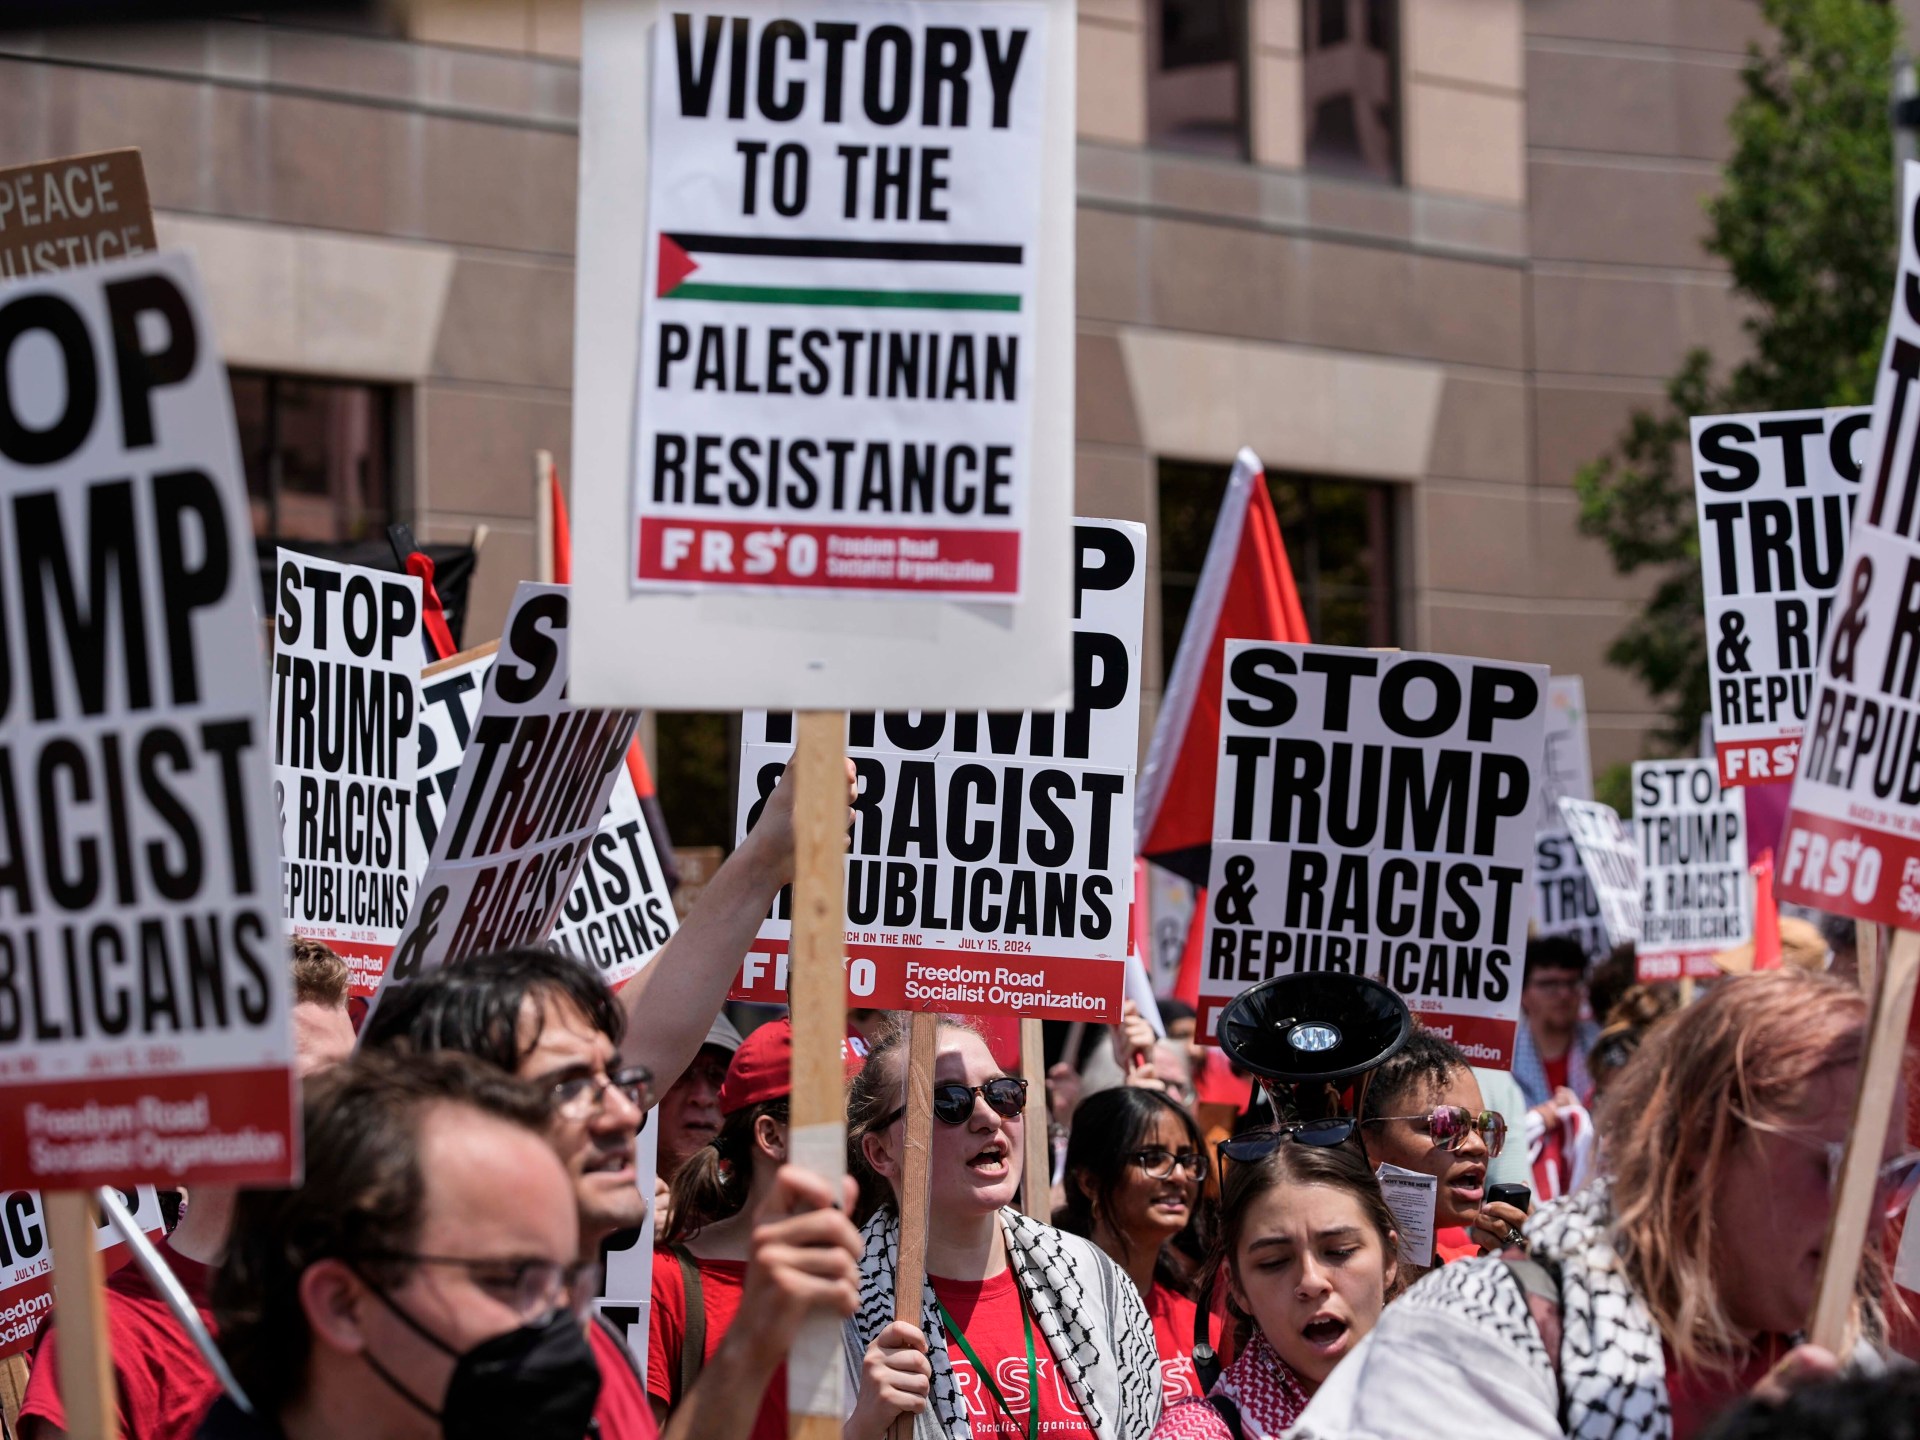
1263	1389
1102	1345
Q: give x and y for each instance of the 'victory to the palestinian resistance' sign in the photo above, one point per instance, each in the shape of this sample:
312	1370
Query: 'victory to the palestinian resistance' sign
1375	813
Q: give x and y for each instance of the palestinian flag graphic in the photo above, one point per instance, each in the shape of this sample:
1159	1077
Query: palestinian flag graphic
757	270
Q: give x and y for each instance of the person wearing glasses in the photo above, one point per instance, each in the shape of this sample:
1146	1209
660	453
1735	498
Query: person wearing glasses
547	1018
1308	1251
700	1265
1024	1330
424	1280
1134	1170
1675	1284
1423	1112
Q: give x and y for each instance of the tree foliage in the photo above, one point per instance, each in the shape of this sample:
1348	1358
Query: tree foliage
1804	221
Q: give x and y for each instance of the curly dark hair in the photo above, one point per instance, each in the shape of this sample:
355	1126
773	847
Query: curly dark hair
1426	1059
474	1004
363	1196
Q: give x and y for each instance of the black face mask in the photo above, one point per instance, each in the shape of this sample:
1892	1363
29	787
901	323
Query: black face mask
539	1382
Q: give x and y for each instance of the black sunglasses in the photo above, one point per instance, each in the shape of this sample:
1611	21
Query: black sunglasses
953	1102
1258	1144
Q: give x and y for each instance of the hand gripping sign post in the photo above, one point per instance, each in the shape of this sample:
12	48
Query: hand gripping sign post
144	994
1694	897
1775	495
823	430
1852	841
992	855
1611	859
346	749
1374	814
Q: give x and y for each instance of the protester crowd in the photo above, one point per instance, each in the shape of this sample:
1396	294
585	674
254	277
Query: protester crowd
1206	1274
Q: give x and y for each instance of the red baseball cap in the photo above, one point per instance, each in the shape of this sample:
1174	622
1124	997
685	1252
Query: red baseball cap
762	1068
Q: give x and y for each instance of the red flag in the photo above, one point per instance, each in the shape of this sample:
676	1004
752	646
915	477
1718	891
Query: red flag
1187	986
1766	914
1246	592
434	616
562	533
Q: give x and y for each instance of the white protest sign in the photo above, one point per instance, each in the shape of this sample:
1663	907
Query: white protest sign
1611	859
1566	772
450	693
1565	901
1775	494
346	714
626	1262
531	794
618	914
991	867
1694	897
1374	814
1413	1199
841	375
145	1026
1852	840
26	1259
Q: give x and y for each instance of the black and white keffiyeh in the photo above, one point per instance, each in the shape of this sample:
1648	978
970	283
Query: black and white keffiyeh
1090	1313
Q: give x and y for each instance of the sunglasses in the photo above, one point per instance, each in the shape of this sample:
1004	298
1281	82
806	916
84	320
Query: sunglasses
1258	1144
953	1102
1894	1185
1449	1125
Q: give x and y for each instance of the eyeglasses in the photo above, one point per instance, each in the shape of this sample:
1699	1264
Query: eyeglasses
578	1096
1160	1164
530	1287
953	1102
1564	983
1256	1145
1894	1185
1449	1125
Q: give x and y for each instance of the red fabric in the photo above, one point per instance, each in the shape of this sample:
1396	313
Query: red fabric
1557	1070
562	532
163	1388
1172	1316
988	1312
623	1412
1766	915
1454	1242
721	1285
762	1068
434	615
1186	986
1216	1084
1697	1397
1259	602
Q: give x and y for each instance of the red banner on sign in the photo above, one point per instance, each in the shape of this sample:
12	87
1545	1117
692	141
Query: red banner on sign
830	557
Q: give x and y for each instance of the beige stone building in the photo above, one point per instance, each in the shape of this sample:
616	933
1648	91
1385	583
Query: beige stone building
1422	255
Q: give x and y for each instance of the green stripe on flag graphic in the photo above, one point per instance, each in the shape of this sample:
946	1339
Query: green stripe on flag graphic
864	299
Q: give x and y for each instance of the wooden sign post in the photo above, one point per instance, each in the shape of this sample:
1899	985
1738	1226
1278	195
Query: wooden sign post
80	1304
910	1276
1036	1174
817	987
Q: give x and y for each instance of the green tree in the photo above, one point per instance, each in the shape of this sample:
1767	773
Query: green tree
1804	220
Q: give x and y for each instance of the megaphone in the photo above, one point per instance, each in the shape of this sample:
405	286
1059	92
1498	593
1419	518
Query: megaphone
1303	1035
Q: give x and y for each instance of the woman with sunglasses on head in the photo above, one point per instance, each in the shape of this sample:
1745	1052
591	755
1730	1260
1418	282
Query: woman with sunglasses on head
1423	1112
1676	1283
1135	1165
1024	1330
1307	1248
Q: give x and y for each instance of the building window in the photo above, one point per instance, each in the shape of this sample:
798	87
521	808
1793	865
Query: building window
1339	539
318	456
1197	78
1350	84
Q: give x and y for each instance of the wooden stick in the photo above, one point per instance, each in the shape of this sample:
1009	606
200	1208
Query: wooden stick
817	996
13	1390
1851	1219
543	516
1036	1176
910	1277
1866	949
80	1310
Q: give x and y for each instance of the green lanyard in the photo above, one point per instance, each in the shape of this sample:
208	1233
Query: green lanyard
986	1375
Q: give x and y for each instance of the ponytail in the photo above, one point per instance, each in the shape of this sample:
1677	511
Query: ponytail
712	1184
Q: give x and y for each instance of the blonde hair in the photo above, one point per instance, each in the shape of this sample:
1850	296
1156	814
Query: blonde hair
1740	1060
874	1094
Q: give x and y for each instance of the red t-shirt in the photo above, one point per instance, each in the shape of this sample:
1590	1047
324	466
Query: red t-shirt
1172	1316
721	1285
1698	1397
988	1313
623	1412
1453	1242
1557	1071
163	1388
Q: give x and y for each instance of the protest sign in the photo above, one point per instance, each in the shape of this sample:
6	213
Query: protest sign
450	692
346	715
1567	771
1564	899
992	856
841	375
626	1260
81	210
1374	814
1694	898
1611	860
618	914
1776	495
145	1029
26	1260
531	793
